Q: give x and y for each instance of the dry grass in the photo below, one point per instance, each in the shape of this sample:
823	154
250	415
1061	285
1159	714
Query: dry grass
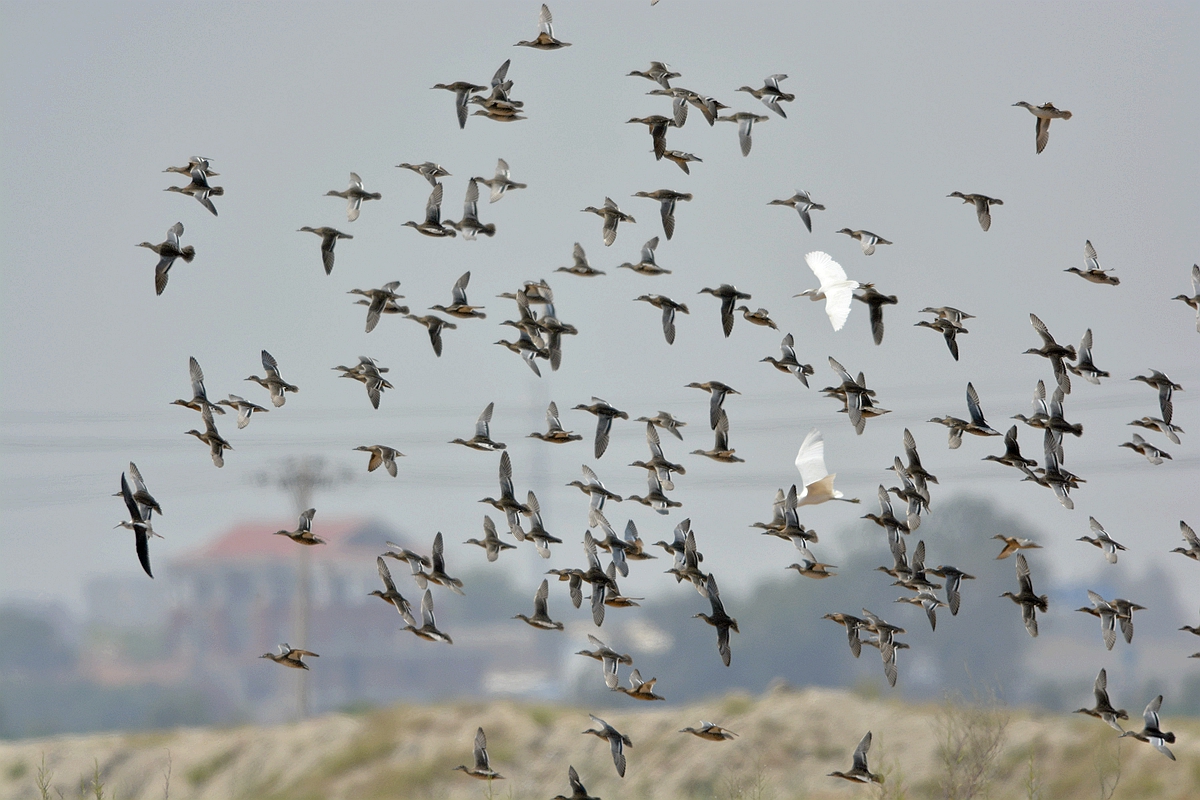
970	739
789	740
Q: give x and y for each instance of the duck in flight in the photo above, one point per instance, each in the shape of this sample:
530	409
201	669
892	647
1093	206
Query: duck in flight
491	541
199	401
578	790
199	188
787	362
427	170
867	239
977	424
605	414
718	619
139	519
482	769
612	216
1192	541
658	72
859	772
459	307
555	434
875	301
669	308
290	656
244	409
435	326
195	162
657	124
647	266
541	616
1102	540
428	630
745	122
462	91
381	455
682	159
432	225
354	195
545	39
303	533
273	382
501	182
617	742
482	439
1193	300
470	225
167	251
147	505
581	267
982	204
329	237
721	451
667	199
1140	446
1093	273
770	93
728	294
1104	709
217	445
389	594
1029	602
1152	732
710	732
1044	114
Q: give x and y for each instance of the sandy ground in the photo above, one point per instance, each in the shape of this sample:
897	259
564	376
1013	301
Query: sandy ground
789	740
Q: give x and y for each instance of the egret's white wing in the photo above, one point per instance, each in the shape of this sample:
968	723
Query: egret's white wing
836	288
837	302
825	268
810	461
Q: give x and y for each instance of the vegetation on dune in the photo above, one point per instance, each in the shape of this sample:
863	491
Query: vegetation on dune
966	746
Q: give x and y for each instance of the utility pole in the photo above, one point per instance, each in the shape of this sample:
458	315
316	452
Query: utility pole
300	477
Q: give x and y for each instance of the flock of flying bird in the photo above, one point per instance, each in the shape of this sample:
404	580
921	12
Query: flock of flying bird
540	338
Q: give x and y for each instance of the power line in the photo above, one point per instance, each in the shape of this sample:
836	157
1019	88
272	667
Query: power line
300	478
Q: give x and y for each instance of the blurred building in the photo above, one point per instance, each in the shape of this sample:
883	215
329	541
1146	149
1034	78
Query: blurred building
244	593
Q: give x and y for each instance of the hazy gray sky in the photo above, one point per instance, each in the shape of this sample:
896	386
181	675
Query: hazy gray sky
896	106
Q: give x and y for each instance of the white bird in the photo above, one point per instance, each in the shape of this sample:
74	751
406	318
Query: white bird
836	289
818	481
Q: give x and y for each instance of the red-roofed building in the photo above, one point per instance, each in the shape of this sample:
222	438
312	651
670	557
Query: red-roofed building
238	597
345	539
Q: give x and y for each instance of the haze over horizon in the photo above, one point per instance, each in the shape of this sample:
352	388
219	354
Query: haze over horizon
889	118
